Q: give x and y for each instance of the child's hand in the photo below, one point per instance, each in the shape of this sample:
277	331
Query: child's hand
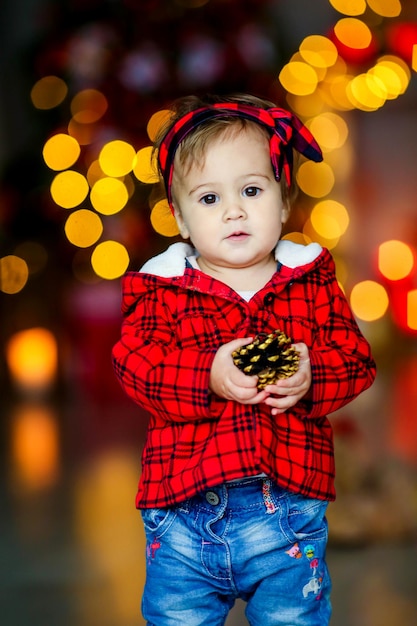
286	392
228	382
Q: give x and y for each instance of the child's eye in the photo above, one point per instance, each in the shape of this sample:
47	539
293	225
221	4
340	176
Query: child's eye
251	192
209	198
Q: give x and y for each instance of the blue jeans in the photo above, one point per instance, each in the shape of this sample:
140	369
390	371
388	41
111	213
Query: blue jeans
249	540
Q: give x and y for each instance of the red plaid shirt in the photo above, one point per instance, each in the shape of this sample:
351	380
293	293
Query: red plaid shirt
175	319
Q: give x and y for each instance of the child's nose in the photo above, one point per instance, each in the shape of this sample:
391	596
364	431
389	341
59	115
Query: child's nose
234	209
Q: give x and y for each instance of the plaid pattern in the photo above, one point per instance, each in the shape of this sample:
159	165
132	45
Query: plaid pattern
287	133
171	330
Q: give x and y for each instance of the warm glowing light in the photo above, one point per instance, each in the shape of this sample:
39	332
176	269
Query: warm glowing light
412	309
145	166
330	219
315	179
14	273
395	259
116	158
311	233
349	7
61	151
94	173
386	8
369	300
35	446
83	133
297	237
367	92
88	106
157	122
163	221
414	58
48	92
330	130
32	357
69	189
394	73
318	51
109	195
298	78
353	33
110	260
305	106
338	89
83	228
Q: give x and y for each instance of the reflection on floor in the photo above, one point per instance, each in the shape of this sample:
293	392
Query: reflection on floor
71	541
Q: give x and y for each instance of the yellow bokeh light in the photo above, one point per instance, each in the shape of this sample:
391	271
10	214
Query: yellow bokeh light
349	7
94	173
318	51
386	8
369	300
315	179
311	233
412	309
32	357
163	221
109	195
330	219
35	446
367	92
145	166
353	33
330	130
61	151
338	90
88	106
305	106
297	237
14	273
156	122
414	58
391	70
83	228
48	92
395	259
298	78
116	158
69	189
110	260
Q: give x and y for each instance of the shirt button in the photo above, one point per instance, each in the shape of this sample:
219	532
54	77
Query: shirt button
212	498
269	298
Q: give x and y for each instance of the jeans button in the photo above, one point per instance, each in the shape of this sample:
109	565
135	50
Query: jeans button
212	498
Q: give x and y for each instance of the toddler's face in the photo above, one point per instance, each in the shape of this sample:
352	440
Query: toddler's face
230	205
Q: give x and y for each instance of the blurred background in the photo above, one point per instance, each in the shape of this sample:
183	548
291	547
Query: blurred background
80	84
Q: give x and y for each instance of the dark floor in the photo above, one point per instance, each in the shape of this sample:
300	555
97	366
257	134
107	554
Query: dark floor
71	541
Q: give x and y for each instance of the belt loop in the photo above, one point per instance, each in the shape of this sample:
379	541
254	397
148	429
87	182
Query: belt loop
266	494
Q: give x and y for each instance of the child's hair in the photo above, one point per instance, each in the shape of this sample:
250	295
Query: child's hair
194	122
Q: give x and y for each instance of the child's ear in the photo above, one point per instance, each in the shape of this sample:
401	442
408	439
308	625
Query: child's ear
285	213
184	232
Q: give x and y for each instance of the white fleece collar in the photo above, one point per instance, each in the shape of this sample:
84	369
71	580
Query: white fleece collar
172	262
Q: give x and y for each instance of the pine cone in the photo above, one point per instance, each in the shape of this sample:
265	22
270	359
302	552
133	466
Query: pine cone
269	357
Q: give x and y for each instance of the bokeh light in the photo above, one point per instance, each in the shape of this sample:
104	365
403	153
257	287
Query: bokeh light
88	106
330	219
315	179
395	259
83	228
14	273
353	33
109	195
162	219
145	166
349	7
369	300
412	309
61	151
116	158
298	78
48	92
318	51
386	8
156	122
34	253
110	260
32	357
330	130
69	189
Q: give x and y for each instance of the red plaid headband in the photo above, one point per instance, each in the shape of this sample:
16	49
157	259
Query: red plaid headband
287	133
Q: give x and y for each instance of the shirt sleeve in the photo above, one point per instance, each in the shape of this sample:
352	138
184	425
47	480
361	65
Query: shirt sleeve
165	380
342	365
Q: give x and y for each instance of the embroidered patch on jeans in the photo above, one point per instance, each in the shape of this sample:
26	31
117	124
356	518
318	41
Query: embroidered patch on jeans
151	549
266	493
